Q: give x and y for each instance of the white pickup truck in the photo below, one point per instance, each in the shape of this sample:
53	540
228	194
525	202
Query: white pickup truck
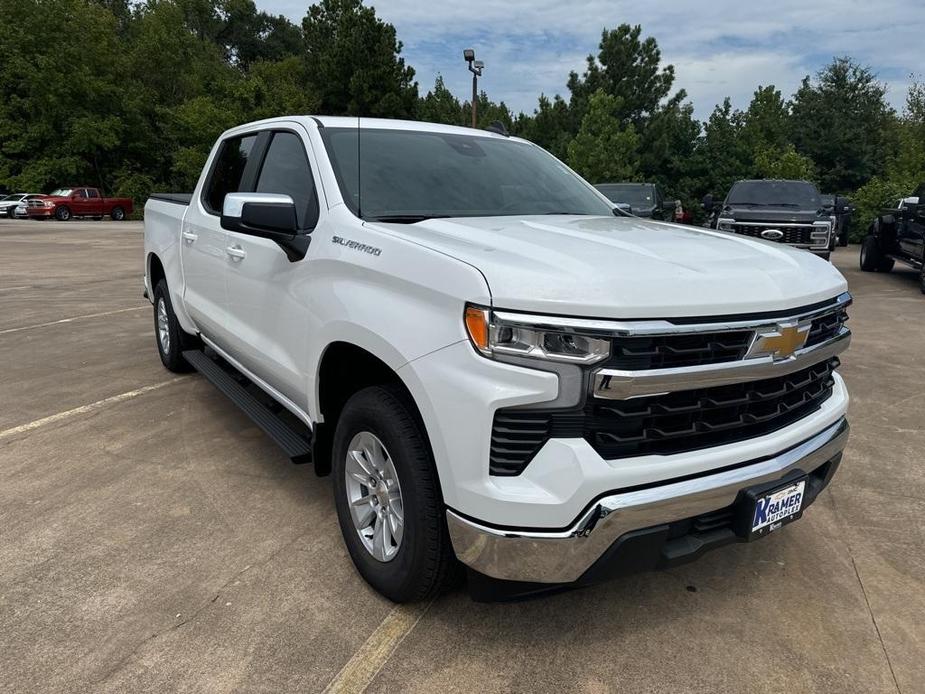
496	365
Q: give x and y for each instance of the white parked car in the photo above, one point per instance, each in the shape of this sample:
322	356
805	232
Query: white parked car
9	203
495	367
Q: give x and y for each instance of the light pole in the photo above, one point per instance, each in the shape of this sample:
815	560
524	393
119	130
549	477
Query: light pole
475	67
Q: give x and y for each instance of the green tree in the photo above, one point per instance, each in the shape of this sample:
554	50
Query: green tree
904	170
766	122
62	106
842	122
604	149
628	68
774	162
439	105
720	153
549	126
352	59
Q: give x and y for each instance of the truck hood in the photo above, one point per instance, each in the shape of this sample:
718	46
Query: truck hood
623	267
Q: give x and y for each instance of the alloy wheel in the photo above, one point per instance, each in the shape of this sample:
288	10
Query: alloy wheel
374	496
163	326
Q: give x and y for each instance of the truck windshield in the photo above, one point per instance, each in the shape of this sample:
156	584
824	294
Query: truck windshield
775	193
61	192
410	175
633	194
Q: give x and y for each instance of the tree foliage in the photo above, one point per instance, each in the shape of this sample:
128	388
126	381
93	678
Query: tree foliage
605	149
129	95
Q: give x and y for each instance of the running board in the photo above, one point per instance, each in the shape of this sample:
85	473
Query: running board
297	445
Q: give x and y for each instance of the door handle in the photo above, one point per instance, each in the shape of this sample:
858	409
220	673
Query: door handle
236	252
190	236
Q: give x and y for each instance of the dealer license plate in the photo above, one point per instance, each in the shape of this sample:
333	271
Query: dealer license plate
775	509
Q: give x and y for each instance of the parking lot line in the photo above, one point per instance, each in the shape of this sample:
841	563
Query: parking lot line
111	400
377	649
15	289
71	319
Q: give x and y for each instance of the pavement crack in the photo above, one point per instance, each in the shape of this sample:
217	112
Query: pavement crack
870	611
118	665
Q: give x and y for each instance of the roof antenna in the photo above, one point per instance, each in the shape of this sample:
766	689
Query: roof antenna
359	179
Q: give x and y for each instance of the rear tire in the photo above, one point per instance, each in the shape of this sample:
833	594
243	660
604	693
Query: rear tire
171	339
416	562
872	258
63	213
118	214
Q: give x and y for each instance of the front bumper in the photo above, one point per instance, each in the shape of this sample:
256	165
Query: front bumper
569	555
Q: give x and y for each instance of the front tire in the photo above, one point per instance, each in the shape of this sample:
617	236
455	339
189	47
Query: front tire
388	498
63	213
171	339
872	258
118	214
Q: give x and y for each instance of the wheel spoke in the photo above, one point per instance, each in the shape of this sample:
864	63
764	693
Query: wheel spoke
362	517
379	540
396	526
363	461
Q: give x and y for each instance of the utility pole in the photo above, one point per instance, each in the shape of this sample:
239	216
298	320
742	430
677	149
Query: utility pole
475	67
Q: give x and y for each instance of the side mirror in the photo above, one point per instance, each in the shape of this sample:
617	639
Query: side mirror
707	202
670	205
621	208
267	215
840	205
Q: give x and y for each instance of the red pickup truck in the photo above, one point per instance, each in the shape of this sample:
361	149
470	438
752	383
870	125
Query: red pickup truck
64	203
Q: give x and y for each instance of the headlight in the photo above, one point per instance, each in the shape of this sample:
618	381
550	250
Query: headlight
48	204
494	337
725	224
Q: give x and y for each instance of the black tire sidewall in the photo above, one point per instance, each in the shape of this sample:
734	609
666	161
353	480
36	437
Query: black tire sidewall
413	573
118	214
173	360
63	214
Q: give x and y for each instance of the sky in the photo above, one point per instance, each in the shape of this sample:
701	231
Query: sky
719	48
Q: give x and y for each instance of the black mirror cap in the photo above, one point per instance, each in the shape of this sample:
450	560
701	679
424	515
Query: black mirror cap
707	202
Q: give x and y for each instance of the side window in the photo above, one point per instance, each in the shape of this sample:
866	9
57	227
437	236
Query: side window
227	171
286	170
92	193
81	193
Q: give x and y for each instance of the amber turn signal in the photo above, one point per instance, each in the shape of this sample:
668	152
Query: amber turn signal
477	327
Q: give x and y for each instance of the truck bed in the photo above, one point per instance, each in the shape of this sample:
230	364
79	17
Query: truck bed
176	198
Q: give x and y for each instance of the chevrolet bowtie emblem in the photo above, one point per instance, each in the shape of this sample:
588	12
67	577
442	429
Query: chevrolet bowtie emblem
780	342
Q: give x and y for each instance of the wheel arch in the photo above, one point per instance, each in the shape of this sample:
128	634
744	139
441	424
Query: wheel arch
345	368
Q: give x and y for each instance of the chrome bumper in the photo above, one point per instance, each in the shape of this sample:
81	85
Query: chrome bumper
564	556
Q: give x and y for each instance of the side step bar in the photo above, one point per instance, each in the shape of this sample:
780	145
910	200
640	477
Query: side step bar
297	445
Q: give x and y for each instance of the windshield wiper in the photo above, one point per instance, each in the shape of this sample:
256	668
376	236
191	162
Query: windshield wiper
405	218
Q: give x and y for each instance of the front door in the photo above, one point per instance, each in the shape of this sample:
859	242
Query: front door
268	321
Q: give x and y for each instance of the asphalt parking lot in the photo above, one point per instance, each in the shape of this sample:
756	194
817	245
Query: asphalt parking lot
151	539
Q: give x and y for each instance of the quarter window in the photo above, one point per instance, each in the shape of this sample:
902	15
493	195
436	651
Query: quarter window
228	171
286	171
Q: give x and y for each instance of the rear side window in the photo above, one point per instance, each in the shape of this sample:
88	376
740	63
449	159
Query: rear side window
92	193
227	171
286	171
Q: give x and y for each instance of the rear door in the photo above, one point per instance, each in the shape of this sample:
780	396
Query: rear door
79	203
94	203
267	323
203	242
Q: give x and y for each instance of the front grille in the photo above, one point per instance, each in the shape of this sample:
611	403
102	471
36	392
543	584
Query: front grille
826	327
664	424
672	351
795	234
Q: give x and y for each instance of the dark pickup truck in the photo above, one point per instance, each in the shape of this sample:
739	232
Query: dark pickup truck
790	212
897	234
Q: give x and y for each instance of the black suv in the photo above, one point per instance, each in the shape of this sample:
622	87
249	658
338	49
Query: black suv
897	234
790	212
643	199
